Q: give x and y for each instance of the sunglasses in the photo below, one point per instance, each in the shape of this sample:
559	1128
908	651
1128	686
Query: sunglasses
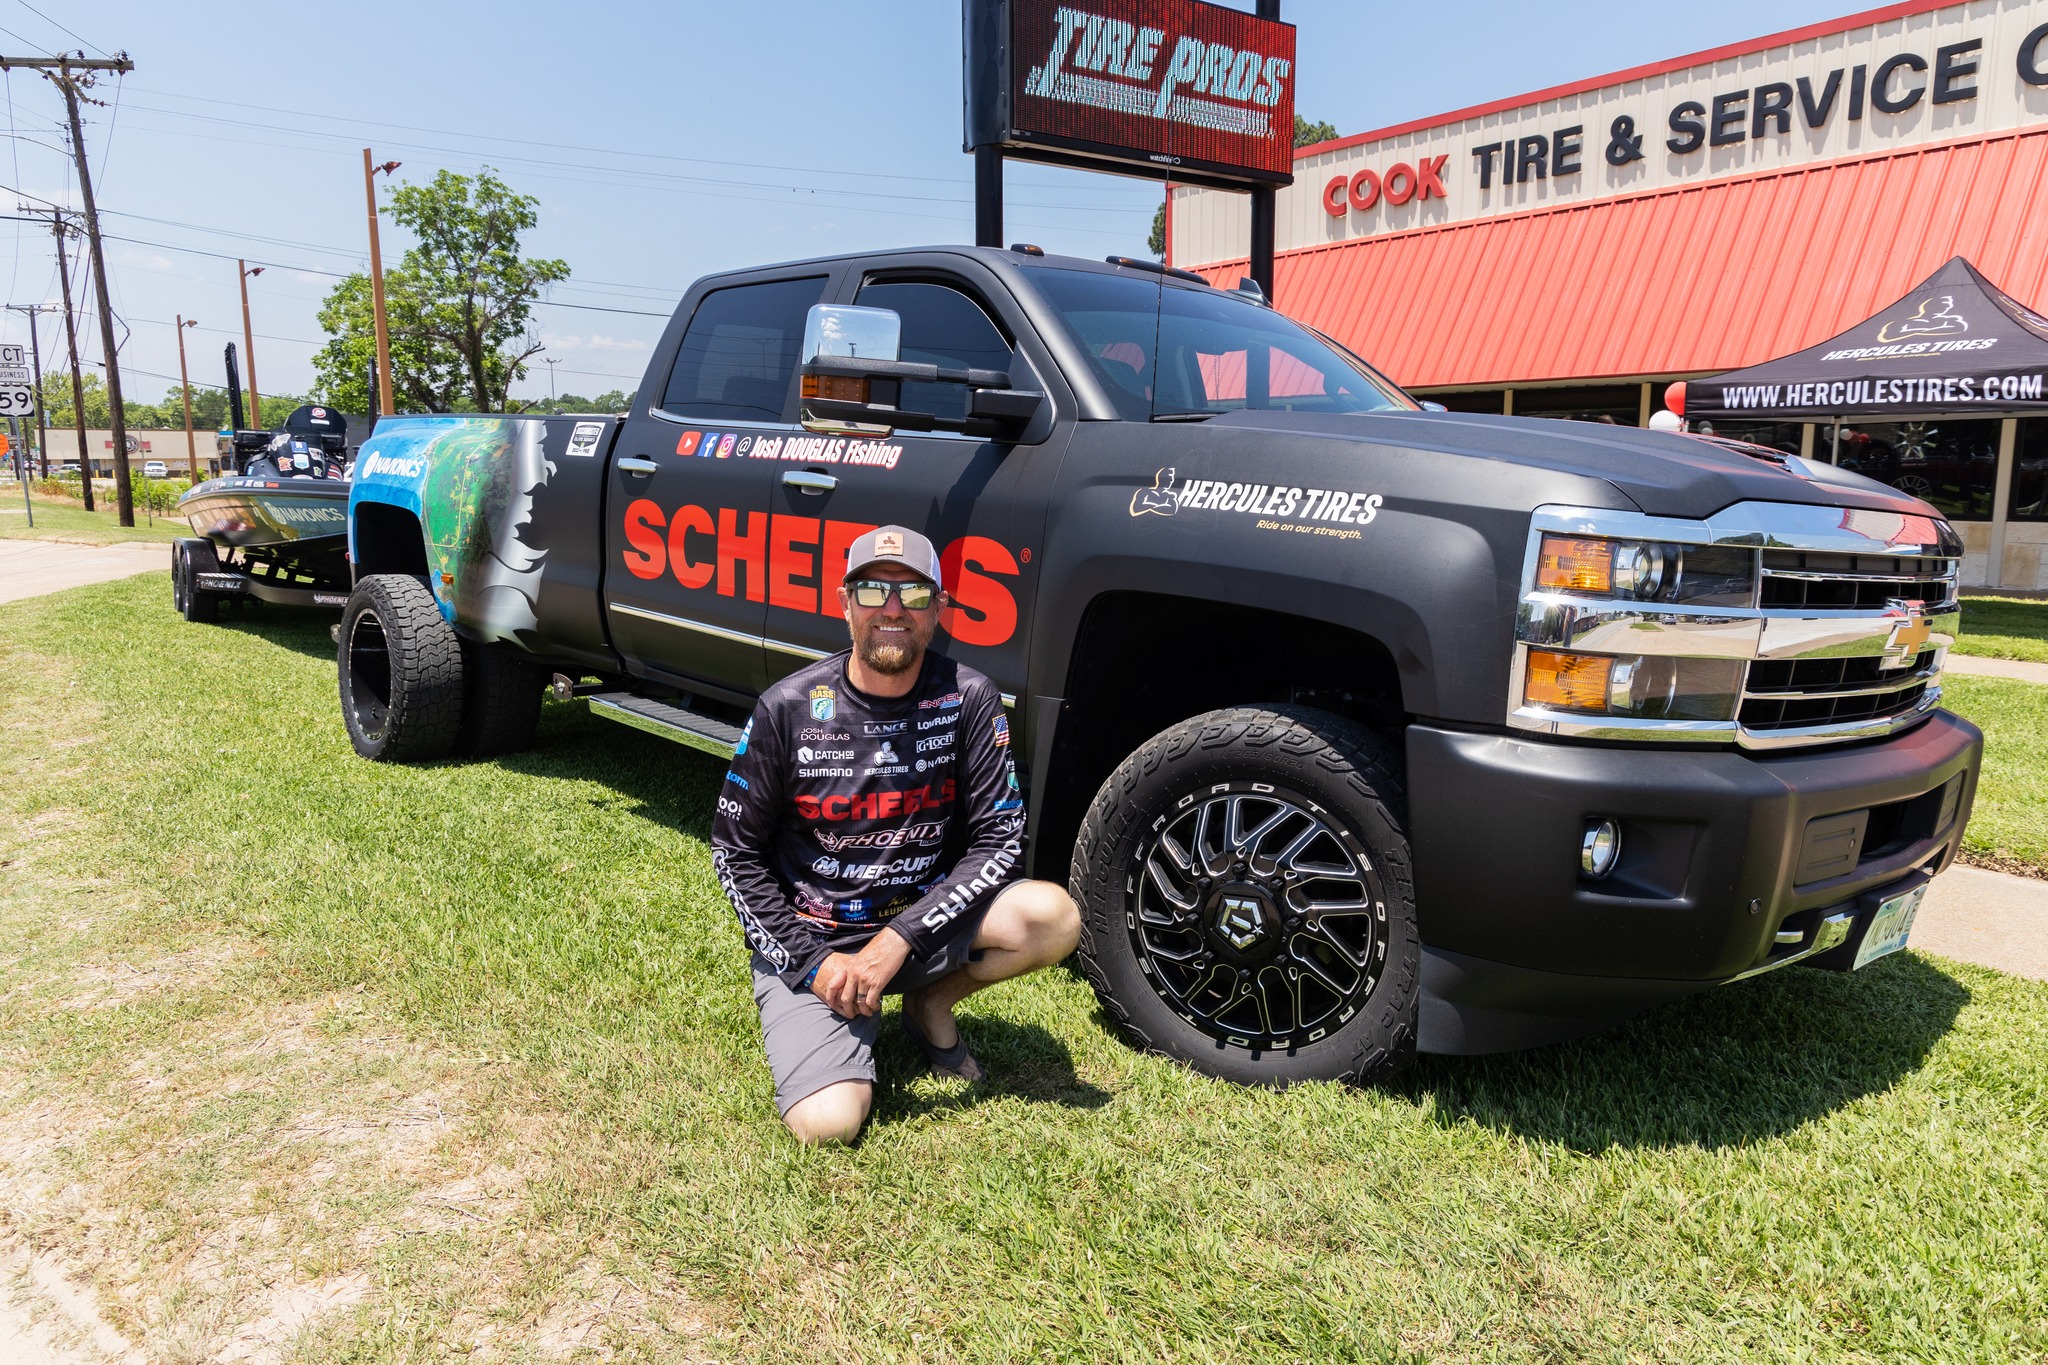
874	592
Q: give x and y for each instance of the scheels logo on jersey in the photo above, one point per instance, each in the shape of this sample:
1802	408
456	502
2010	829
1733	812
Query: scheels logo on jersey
784	560
882	805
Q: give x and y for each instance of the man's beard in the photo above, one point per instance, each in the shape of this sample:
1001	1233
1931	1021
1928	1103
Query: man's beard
891	656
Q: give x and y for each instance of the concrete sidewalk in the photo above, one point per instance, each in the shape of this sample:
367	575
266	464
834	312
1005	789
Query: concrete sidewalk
1995	668
1993	919
30	568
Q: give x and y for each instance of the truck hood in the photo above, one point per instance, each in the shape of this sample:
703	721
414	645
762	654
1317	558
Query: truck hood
1663	473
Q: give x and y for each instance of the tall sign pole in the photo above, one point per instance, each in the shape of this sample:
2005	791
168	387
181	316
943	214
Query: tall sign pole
1265	199
35	351
185	388
77	375
382	397
249	346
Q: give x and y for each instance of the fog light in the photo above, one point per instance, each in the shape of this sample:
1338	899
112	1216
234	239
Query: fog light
1600	849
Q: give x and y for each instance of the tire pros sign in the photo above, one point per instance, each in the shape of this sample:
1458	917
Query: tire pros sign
1174	89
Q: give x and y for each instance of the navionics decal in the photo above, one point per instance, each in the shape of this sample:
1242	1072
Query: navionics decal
1335	512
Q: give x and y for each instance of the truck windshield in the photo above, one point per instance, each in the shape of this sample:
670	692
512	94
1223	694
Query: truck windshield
1171	352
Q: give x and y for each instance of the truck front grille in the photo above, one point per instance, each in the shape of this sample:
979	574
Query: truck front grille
1838	582
1785	695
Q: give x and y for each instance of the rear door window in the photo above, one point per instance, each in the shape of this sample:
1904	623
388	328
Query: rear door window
738	359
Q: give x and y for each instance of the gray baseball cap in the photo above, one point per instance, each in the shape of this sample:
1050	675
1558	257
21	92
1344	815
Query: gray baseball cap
895	545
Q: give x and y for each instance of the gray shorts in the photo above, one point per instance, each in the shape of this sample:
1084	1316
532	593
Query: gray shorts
810	1047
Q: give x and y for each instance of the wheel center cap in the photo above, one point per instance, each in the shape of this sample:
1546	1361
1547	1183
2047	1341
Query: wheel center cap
1241	919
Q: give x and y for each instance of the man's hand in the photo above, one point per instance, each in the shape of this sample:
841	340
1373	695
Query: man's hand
851	983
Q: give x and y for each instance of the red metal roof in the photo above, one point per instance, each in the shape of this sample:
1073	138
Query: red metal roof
1695	279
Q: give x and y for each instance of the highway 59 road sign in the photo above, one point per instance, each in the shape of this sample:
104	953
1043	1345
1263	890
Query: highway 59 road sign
17	400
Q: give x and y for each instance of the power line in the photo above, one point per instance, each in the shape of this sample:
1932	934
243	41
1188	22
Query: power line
52	22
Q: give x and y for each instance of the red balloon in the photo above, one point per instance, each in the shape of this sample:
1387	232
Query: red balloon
1674	396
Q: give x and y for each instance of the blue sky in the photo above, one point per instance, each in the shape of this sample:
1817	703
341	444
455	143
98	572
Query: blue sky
662	140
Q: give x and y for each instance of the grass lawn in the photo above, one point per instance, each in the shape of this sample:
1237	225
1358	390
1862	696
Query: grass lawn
2010	825
67	519
469	1050
2005	628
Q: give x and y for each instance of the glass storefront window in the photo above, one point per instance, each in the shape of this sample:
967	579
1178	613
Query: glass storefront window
1620	404
1777	435
2030	471
1952	464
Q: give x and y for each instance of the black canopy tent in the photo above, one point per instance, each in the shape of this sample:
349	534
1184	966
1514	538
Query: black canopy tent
1956	345
1926	395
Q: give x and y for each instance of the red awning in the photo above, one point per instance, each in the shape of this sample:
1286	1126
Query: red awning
1691	280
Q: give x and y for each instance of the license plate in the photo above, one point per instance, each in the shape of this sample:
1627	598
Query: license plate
1890	925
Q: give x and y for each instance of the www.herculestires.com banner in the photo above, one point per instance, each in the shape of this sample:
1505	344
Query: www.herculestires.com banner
1955	344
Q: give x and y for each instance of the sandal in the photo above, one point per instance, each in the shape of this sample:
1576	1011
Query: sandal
955	1061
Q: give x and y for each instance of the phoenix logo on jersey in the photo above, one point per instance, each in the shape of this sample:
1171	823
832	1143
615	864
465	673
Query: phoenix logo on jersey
930	832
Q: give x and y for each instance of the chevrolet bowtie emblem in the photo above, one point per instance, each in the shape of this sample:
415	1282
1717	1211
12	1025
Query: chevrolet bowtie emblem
1909	636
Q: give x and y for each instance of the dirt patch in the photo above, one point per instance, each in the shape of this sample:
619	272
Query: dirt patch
214	1170
1996	862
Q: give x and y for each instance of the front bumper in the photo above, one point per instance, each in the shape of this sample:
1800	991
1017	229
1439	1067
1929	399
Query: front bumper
1730	861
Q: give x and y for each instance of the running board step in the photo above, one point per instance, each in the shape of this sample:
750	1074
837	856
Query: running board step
668	720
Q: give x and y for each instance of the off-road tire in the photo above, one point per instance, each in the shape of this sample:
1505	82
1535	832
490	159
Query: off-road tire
502	693
1354	781
399	666
191	557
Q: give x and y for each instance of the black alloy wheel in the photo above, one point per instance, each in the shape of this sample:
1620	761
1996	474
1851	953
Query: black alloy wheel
1247	899
1259	920
399	669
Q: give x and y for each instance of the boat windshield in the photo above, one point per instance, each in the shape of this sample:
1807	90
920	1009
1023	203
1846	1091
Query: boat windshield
1170	352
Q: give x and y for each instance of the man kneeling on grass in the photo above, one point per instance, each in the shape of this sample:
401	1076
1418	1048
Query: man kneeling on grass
869	836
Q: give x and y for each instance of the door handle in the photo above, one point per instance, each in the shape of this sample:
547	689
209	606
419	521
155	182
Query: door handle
809	480
639	468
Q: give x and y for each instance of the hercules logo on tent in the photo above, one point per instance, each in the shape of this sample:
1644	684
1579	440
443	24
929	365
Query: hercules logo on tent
1940	323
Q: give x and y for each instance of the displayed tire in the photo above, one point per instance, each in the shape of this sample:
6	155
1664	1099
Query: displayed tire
400	671
502	694
1248	902
190	558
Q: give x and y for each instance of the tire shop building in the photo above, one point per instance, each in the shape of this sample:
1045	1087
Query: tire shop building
1569	252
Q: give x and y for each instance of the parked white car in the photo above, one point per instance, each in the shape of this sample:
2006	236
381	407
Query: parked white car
156	469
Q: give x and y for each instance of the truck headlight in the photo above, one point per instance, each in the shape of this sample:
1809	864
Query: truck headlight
1642	687
1646	571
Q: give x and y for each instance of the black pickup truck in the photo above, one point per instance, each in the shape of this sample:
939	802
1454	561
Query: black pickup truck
1357	727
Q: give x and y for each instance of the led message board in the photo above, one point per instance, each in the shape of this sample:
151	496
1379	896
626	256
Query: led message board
1175	89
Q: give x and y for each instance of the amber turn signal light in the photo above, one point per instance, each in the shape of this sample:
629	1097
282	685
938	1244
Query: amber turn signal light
1567	682
839	388
1569	564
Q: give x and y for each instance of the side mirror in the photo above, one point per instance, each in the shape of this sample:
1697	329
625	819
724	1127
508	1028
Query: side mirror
1428	406
853	381
842	332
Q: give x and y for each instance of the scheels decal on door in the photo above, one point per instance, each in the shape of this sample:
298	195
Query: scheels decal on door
785	561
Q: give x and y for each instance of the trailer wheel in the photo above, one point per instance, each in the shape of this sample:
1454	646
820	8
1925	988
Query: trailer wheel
400	671
190	558
502	693
1248	904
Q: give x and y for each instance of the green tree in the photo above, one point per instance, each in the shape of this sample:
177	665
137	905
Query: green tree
458	305
613	400
1306	134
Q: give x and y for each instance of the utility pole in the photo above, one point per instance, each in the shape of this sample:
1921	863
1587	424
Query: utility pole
35	350
73	74
185	387
77	375
249	346
552	362
382	397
